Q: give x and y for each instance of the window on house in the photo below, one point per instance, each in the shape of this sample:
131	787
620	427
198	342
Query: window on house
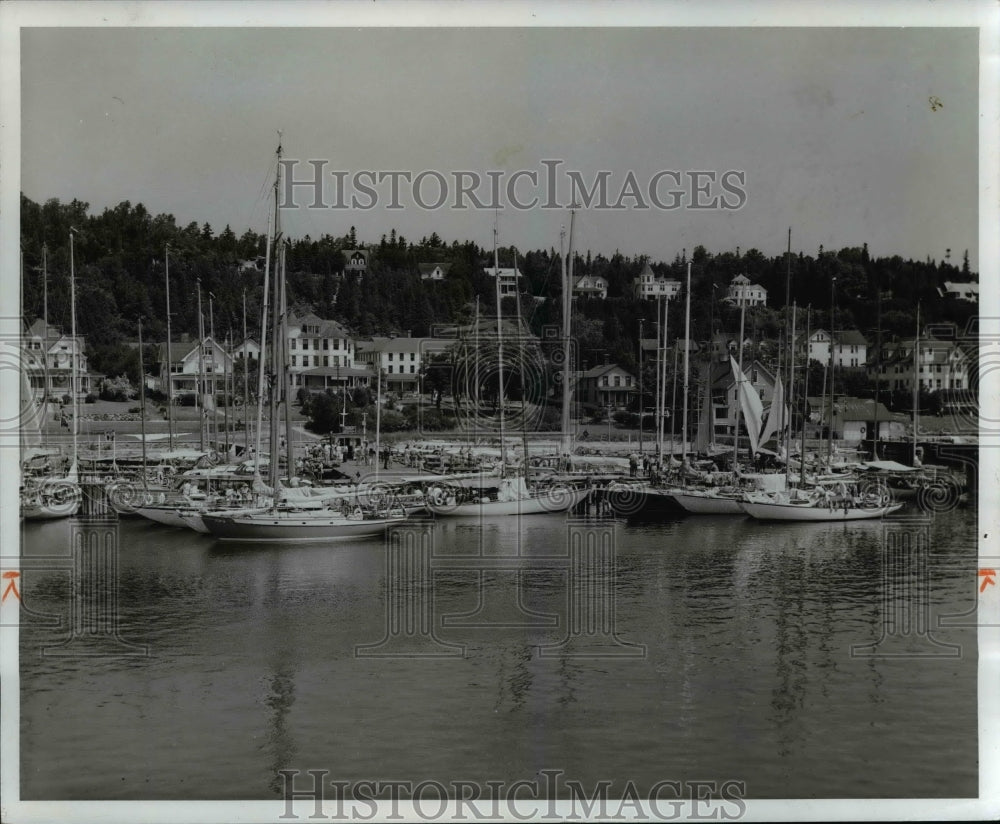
390	369
618	380
336	343
326	360
413	368
293	360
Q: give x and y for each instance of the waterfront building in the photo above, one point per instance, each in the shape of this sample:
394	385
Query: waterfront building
744	293
942	364
509	278
607	385
649	285
850	348
590	286
401	359
47	351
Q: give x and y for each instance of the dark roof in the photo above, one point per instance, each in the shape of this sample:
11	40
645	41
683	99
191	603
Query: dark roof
597	371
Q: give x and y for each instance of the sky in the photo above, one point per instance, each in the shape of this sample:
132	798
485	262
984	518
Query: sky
848	136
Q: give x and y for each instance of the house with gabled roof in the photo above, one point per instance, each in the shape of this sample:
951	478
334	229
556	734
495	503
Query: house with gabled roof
590	286
649	285
433	271
607	385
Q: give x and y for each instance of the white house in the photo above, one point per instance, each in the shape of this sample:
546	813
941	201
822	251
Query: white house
509	278
962	291
850	349
212	364
590	286
648	286
941	364
314	342
433	271
48	350
607	385
744	293
400	359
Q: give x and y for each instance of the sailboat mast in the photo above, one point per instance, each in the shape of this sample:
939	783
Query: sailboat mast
687	365
496	269
475	386
45	318
76	352
262	356
829	447
567	276
658	405
170	360
213	424
290	455
276	344
739	387
201	369
805	397
524	393
142	403
916	386
662	365
246	379
791	396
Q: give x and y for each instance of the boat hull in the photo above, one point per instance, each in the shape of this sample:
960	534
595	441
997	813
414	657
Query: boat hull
544	504
268	528
166	516
795	512
643	502
708	504
45	512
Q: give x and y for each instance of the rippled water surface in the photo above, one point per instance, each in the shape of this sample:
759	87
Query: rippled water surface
730	658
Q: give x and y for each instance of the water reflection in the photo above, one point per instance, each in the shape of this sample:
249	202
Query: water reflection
746	671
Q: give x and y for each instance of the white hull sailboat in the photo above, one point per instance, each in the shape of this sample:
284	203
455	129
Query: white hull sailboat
815	511
271	527
512	498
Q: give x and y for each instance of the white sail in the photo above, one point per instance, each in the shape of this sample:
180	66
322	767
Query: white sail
750	404
776	416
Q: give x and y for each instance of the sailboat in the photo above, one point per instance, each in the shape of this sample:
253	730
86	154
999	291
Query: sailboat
286	520
508	493
58	497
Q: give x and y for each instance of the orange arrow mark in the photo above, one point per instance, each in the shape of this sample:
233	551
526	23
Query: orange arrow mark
12	586
987	576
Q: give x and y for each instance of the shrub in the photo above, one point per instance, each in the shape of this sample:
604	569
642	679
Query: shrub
91	398
67	400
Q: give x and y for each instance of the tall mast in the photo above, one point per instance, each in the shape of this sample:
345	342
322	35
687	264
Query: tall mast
496	270
687	364
262	355
524	393
246	379
475	385
663	383
567	294
790	337
805	398
673	403
170	360
142	403
45	318
791	396
276	343
878	368
201	369
660	354
213	424
76	347
290	455
829	446
739	387
916	385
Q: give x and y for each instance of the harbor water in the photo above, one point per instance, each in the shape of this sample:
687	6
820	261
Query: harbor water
805	660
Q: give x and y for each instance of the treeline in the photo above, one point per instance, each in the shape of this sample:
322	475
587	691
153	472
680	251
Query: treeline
121	257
